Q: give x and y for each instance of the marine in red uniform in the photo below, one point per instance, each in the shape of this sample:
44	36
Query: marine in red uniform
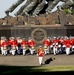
13	46
46	44
40	53
24	46
10	40
55	43
31	45
5	45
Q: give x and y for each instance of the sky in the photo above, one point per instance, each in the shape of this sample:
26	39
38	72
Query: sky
5	4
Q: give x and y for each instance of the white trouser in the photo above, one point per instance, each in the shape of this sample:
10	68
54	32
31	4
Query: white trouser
67	51
24	52
5	52
32	51
13	52
40	60
55	50
46	50
2	50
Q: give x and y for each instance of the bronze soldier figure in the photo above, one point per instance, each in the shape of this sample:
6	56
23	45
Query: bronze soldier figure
67	4
13	7
39	7
51	5
23	7
29	7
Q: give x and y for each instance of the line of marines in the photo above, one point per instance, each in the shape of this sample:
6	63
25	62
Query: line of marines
59	45
14	46
55	45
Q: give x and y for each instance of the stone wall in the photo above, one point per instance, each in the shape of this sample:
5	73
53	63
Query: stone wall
53	18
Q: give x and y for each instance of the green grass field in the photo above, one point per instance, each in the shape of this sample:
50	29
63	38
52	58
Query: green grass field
24	69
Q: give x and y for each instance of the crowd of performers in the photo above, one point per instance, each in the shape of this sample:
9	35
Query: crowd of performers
15	45
54	45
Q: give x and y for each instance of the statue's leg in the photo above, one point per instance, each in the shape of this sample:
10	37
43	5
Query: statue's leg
51	6
13	7
29	8
39	8
22	8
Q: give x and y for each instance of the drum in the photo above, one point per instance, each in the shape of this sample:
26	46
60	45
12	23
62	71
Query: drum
13	47
45	47
32	47
23	47
4	47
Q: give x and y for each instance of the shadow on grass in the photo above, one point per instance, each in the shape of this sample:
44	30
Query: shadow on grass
18	69
23	69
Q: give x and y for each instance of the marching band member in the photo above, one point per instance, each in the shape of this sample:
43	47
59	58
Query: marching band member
9	44
13	47
46	44
40	53
55	45
31	45
5	45
24	46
